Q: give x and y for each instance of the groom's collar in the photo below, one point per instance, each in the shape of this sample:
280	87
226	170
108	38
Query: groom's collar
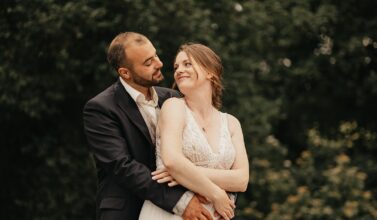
137	96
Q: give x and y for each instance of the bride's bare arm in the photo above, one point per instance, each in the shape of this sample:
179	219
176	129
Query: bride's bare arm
171	124
236	179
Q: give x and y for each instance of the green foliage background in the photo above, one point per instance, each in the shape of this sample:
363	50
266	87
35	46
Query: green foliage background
301	75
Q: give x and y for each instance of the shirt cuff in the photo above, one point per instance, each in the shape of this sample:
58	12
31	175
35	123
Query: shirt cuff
182	203
233	196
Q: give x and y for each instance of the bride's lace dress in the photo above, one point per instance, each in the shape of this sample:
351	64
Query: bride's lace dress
197	149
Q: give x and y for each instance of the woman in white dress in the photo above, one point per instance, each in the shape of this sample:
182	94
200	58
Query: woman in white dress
198	146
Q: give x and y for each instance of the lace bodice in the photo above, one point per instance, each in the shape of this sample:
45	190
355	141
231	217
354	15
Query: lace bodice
196	148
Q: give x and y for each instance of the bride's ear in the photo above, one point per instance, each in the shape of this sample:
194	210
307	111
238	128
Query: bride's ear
124	73
209	76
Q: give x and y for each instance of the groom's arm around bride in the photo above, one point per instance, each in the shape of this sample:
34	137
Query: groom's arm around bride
119	137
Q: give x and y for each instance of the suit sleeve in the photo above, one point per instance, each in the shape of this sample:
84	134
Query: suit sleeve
110	149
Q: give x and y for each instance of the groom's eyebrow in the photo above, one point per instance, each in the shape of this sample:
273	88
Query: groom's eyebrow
149	58
146	60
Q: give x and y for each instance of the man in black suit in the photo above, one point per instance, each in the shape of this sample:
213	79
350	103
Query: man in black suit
120	127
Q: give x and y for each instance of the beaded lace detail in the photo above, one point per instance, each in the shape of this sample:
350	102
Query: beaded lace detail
197	148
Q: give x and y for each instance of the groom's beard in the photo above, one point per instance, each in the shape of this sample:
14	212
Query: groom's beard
137	79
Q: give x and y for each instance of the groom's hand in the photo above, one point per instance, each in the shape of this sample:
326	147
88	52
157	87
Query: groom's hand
195	210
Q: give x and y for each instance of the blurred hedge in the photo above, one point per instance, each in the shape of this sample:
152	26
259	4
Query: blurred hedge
300	75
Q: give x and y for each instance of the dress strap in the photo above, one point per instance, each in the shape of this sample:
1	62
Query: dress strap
224	119
225	123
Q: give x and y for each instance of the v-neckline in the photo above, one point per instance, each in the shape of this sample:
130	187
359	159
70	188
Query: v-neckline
204	136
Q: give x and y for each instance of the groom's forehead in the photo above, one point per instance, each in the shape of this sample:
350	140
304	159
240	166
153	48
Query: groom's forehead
138	52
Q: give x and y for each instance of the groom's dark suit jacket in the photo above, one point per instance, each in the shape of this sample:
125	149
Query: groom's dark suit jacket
124	155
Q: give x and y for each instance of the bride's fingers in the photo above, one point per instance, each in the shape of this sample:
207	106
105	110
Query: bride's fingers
224	216
227	213
230	213
160	175
232	204
165	179
173	183
156	172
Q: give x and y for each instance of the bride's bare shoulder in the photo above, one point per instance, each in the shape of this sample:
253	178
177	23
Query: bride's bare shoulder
173	106
174	103
234	124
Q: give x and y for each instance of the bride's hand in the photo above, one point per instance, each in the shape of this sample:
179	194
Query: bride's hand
163	176
223	204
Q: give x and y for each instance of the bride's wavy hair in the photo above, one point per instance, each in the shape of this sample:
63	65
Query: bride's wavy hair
210	62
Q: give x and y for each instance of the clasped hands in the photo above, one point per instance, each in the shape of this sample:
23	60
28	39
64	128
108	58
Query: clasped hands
222	203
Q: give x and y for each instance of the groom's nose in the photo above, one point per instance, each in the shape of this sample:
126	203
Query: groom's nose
159	63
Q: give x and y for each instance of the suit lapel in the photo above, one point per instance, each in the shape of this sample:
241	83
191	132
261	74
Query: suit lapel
163	95
161	98
128	105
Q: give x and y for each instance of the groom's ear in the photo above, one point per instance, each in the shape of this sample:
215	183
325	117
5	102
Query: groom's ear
124	73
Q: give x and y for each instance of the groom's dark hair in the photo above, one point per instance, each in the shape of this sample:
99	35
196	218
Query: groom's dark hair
116	53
